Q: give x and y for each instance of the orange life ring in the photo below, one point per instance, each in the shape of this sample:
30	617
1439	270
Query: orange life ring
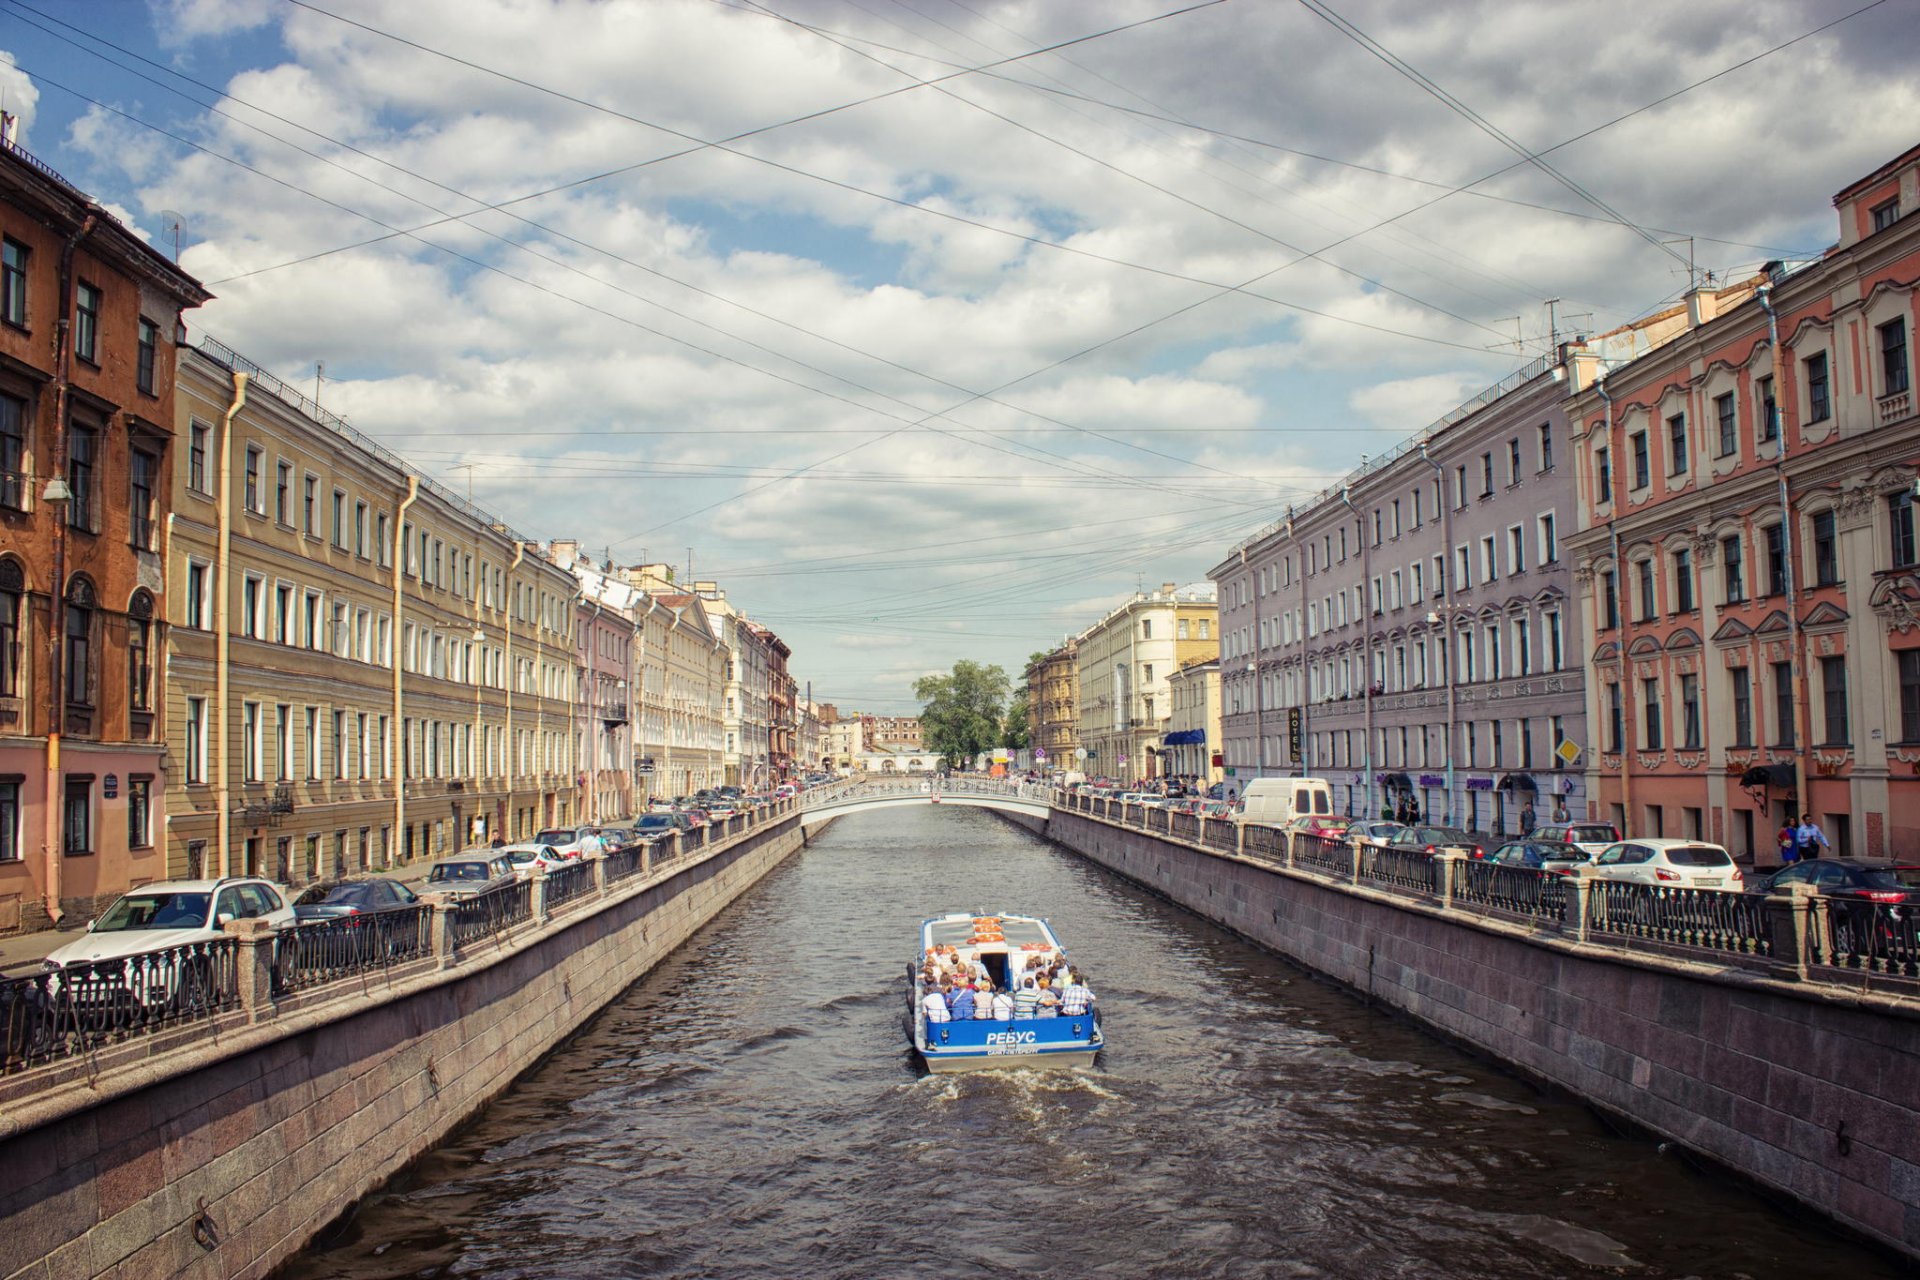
985	937
992	922
1036	946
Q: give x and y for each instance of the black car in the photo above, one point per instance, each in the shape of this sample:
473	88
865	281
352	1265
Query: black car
658	826
1540	855
339	898
1846	878
1424	839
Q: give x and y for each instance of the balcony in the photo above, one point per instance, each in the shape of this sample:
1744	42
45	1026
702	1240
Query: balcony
1895	407
613	712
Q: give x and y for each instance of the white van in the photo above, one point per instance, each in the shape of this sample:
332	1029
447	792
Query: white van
1274	802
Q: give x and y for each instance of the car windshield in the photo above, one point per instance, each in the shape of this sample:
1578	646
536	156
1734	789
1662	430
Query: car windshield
155	911
447	871
345	895
1697	855
1907	878
1592	835
651	821
559	835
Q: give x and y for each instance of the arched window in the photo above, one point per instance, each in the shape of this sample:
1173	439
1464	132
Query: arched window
79	656
140	652
13	590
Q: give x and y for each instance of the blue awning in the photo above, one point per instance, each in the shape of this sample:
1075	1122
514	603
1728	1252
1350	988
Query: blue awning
1184	737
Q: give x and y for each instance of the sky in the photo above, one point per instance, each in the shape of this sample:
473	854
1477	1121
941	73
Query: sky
931	329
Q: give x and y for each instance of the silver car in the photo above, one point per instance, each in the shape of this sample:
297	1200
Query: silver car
470	874
1663	860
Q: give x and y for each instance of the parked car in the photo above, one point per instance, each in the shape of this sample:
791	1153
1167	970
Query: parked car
1425	839
568	842
369	896
1541	855
173	913
658	826
1690	864
1846	878
1589	837
1327	826
1378	832
528	857
470	874
1220	810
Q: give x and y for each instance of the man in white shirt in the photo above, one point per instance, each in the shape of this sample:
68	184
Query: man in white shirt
934	1005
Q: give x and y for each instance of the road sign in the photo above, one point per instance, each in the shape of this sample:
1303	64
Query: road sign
1123	762
1081	753
1568	750
1230	772
643	766
1293	733
1039	753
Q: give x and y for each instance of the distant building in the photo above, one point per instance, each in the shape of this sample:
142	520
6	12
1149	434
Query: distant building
1053	698
1192	739
1124	661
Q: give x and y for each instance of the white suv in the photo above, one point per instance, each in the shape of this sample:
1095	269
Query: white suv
1685	864
172	913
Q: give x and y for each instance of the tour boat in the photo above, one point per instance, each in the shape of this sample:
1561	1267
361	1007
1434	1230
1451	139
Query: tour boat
1007	948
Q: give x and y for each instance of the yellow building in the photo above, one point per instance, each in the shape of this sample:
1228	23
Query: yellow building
1193	730
364	668
1124	661
1053	705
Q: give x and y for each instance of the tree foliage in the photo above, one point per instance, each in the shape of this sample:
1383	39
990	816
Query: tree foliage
963	713
1016	734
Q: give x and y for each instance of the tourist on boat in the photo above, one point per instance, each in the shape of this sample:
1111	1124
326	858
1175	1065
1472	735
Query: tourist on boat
983	999
1026	1000
1048	1002
1076	998
934	1005
960	1002
1003	1005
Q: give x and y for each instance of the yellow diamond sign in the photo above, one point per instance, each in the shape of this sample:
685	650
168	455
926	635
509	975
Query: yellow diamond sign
1567	751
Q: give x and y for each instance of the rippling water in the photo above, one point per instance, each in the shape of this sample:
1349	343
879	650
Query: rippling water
750	1109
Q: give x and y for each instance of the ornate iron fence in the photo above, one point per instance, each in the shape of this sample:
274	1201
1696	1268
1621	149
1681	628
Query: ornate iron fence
1705	918
1266	842
569	882
81	1007
1183	826
1871	937
1335	857
622	863
494	911
1522	891
1402	868
1219	833
323	951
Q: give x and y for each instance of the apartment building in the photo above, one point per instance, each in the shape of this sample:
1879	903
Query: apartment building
1053	697
1192	741
1123	662
782	698
603	692
747	756
89	318
685	663
363	668
1747	552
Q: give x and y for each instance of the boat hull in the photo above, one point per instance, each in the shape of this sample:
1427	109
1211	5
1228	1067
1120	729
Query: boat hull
948	1063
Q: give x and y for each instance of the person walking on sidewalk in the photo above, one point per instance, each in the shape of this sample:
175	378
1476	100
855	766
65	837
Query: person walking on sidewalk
1809	838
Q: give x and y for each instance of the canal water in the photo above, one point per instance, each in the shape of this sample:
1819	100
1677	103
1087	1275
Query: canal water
750	1109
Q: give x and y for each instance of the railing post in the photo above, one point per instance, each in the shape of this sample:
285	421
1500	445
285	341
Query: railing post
1789	912
1443	863
1240	839
1353	860
679	844
1580	902
446	948
253	966
539	895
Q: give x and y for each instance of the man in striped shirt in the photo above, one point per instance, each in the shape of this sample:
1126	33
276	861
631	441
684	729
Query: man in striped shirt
1026	1000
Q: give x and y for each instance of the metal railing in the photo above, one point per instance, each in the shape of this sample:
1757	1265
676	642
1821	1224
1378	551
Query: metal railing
1521	891
1219	833
494	911
323	951
1868	937
1265	842
1705	918
622	863
572	881
1335	857
1401	868
81	1007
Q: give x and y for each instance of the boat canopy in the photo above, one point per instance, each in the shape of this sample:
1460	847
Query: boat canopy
1018	931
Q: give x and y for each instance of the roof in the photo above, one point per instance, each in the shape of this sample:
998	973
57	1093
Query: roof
1878	176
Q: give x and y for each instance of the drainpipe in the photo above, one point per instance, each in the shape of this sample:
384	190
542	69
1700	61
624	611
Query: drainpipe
399	666
52	838
1617	501
1446	618
508	671
222	633
1797	667
1366	623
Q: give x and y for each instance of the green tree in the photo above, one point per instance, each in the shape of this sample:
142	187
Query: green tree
963	713
1015	735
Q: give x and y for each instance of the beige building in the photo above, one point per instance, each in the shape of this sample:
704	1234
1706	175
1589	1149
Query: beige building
364	669
1053	705
681	668
1193	728
1124	661
844	742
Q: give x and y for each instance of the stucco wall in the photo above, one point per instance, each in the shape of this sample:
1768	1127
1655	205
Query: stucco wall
1813	1092
280	1137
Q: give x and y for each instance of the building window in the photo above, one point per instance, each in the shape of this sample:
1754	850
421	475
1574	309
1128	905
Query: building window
196	739
1603	475
198	614
1546	447
197	458
1650	699
1893	357
80	468
282	491
13	453
282	742
1826	561
1486	475
143	472
250	489
139	813
1516	550
1642	460
1769	412
1616	718
1609	601
79	655
1735	569
1833	690
1776	560
340	519
1513	461
1677	443
1690	712
76	839
1886	214
1909	660
139	664
149	353
1728	425
10	819
309	496
13	282
12	588
1649	601
86	323
1783	704
1819	390
1683	581
1556	652
1900	518
1742	707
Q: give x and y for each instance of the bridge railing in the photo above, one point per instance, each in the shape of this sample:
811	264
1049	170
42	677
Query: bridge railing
323	951
1796	933
81	1008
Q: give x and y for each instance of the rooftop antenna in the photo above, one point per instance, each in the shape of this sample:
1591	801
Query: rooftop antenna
1553	323
319	376
171	224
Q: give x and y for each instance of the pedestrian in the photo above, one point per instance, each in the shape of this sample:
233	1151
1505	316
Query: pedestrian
1789	841
1809	838
1526	818
499	842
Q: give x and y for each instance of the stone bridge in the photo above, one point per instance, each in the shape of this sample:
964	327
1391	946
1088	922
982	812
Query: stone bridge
1027	800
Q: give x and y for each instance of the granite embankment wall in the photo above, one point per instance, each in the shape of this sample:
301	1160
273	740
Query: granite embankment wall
1810	1089
226	1154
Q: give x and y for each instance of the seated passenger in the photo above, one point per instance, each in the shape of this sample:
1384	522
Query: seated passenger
1049	1003
1026	1000
983	999
1077	998
960	1003
1003	1005
934	1005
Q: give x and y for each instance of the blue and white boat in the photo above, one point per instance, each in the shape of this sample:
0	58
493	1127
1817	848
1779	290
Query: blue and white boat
1005	948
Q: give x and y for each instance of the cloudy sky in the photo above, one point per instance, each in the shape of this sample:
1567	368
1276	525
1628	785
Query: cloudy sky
934	327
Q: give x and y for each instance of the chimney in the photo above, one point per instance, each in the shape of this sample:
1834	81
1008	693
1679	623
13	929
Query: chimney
564	550
1703	304
1167	588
